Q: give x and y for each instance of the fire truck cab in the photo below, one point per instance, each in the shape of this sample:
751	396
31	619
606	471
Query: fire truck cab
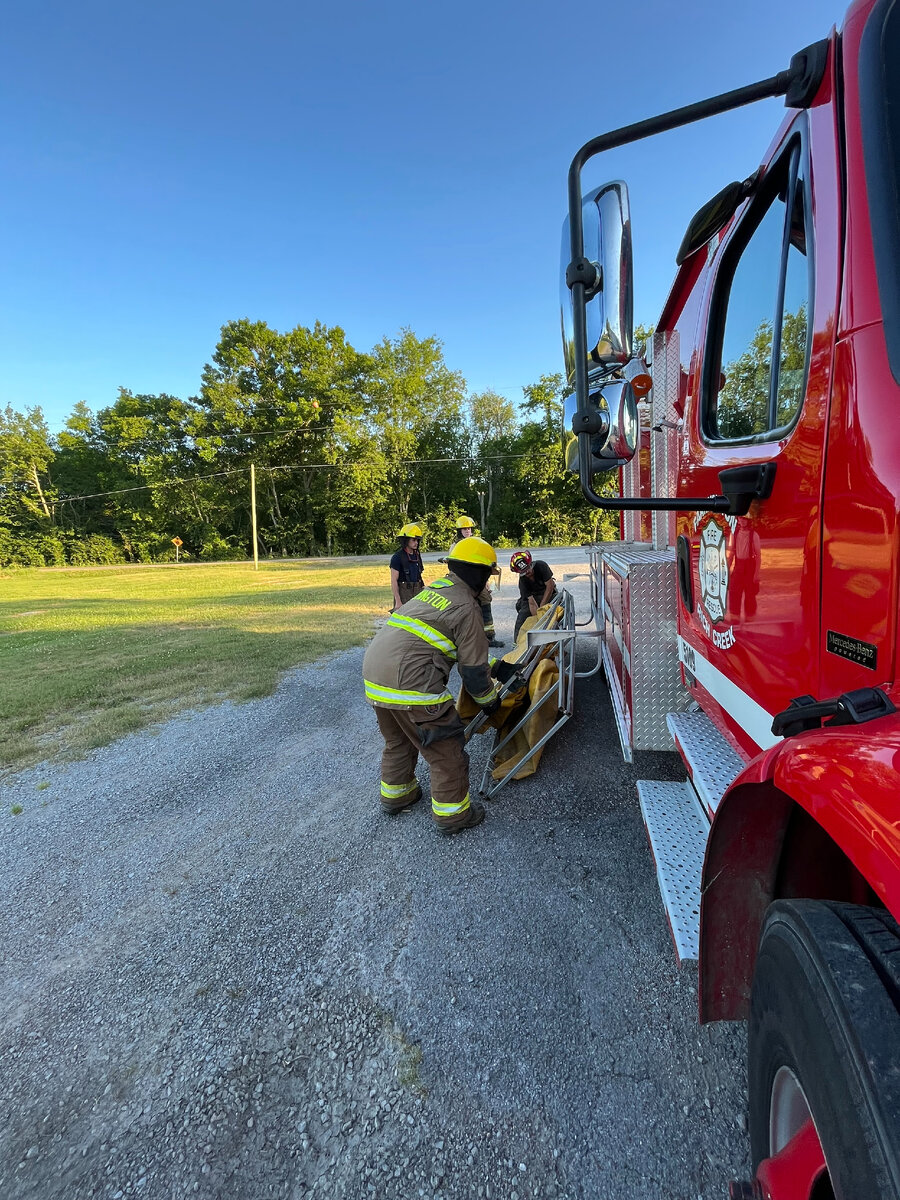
750	607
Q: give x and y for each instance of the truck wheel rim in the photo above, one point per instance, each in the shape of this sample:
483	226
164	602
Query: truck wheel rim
788	1109
796	1169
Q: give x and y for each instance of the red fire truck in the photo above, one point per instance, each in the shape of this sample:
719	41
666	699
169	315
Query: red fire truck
750	607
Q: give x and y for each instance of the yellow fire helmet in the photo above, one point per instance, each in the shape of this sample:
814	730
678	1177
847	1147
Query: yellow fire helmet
464	522
474	550
410	530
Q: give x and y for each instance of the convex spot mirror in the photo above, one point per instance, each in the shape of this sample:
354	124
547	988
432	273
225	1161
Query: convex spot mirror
611	422
606	219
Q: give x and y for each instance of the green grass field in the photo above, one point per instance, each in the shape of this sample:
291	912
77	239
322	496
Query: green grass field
88	655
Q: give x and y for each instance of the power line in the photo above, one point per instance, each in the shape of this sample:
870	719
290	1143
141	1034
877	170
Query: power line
406	462
148	487
264	432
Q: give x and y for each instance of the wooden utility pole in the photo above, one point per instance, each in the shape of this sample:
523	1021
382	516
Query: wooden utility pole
253	515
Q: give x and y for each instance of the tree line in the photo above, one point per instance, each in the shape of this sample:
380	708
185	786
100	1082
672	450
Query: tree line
347	447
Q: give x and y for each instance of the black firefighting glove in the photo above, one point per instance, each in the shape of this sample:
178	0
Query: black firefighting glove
492	706
503	671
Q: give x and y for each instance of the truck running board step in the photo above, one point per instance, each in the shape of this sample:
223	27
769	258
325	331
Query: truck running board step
710	761
677	829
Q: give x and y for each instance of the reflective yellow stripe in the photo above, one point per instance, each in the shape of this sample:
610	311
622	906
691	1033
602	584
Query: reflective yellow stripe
393	791
449	810
488	697
426	632
386	695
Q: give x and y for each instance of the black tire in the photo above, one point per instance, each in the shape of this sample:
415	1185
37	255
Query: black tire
826	1007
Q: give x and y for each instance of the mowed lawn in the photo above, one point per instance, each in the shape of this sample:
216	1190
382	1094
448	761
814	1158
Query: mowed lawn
88	655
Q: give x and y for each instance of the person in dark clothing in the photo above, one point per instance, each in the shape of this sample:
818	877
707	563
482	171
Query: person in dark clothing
406	566
537	586
465	527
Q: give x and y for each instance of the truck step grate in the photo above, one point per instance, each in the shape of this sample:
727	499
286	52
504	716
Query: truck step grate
677	828
711	762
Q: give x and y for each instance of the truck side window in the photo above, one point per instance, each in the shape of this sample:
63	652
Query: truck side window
794	323
764	290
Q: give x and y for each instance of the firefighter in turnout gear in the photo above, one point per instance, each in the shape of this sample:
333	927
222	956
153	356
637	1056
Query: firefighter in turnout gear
405	672
465	527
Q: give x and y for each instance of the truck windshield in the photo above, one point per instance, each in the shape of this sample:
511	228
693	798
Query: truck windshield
879	86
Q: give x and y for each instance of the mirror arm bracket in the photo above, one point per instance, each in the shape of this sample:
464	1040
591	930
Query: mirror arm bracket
743	485
720	504
587	273
590	420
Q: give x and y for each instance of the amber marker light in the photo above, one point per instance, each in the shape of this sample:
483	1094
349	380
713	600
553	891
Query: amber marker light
641	385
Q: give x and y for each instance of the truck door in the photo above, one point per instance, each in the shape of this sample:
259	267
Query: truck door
760	396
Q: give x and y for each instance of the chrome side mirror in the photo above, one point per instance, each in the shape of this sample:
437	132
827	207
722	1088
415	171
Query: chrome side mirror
611	420
606	219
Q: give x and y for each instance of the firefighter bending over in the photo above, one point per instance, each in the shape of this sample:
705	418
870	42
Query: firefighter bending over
405	672
537	586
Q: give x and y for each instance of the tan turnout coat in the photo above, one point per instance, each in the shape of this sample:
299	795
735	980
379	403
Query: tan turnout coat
409	660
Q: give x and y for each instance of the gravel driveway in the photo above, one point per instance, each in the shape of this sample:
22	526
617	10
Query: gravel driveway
226	974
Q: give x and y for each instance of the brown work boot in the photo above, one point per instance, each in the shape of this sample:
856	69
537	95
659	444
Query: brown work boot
467	819
392	807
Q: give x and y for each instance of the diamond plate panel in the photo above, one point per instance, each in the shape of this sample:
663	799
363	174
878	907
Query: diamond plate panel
652	645
631	478
659	371
655	677
666	375
664	450
678	829
712	762
624	555
666	386
631	486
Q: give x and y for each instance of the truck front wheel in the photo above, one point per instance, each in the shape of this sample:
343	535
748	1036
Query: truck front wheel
824	1048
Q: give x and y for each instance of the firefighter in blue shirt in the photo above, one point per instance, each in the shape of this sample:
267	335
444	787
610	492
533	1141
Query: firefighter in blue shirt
406	566
465	527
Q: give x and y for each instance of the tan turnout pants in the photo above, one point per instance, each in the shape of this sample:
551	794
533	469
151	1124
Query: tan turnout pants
441	743
408	590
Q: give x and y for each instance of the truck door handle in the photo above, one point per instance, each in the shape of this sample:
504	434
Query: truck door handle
683	561
742	485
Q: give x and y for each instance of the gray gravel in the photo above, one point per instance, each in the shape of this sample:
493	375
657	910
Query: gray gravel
226	974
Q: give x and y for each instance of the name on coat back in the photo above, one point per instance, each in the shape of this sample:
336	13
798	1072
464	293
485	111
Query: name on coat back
434	599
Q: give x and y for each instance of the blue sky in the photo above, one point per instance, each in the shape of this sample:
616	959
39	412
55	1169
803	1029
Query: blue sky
169	167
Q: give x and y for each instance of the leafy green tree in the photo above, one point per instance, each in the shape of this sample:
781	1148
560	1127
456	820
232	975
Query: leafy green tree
743	400
493	417
551	506
282	400
26	453
415	404
491	468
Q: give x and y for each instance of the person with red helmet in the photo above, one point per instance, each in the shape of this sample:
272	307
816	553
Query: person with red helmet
537	586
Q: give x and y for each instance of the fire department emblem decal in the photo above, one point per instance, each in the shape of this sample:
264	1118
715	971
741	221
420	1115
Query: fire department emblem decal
713	570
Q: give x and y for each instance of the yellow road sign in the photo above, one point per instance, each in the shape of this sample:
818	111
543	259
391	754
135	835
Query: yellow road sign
176	541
